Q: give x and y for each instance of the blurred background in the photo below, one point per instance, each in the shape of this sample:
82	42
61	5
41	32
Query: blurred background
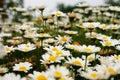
7	7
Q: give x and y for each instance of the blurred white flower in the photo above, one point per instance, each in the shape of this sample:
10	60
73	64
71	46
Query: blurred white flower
26	47
22	66
3	69
12	76
2	51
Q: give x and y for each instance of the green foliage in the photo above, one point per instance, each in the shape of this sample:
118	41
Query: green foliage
113	2
65	8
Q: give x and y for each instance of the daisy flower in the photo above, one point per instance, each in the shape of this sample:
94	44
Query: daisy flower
53	48
50	40
12	76
91	35
40	76
22	66
114	27
90	74
3	70
76	61
64	39
109	43
58	71
90	49
61	53
104	27
58	13
70	46
71	32
66	78
42	35
9	49
103	37
14	41
91	25
47	58
26	47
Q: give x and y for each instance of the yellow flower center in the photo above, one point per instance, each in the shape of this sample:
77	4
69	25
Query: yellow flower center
57	74
15	42
41	77
63	39
90	58
47	61
2	71
111	70
38	43
94	75
104	38
8	49
58	14
26	49
87	49
22	68
49	41
91	26
59	52
93	35
42	34
104	27
114	27
70	32
52	58
71	47
77	62
62	79
117	57
108	43
54	49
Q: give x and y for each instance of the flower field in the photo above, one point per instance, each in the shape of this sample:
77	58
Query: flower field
79	45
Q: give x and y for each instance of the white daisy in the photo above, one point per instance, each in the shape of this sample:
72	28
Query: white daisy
42	35
91	35
71	32
64	39
9	49
76	61
58	71
91	25
40	76
3	70
12	76
50	40
109	43
70	46
26	47
103	37
53	48
47	58
90	49
22	66
104	27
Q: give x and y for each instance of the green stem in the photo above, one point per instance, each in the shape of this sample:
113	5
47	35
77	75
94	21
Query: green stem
95	60
85	63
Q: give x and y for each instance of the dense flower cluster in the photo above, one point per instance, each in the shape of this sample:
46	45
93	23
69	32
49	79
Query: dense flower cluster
62	46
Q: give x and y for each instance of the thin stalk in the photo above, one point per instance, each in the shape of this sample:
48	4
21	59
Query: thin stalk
85	66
